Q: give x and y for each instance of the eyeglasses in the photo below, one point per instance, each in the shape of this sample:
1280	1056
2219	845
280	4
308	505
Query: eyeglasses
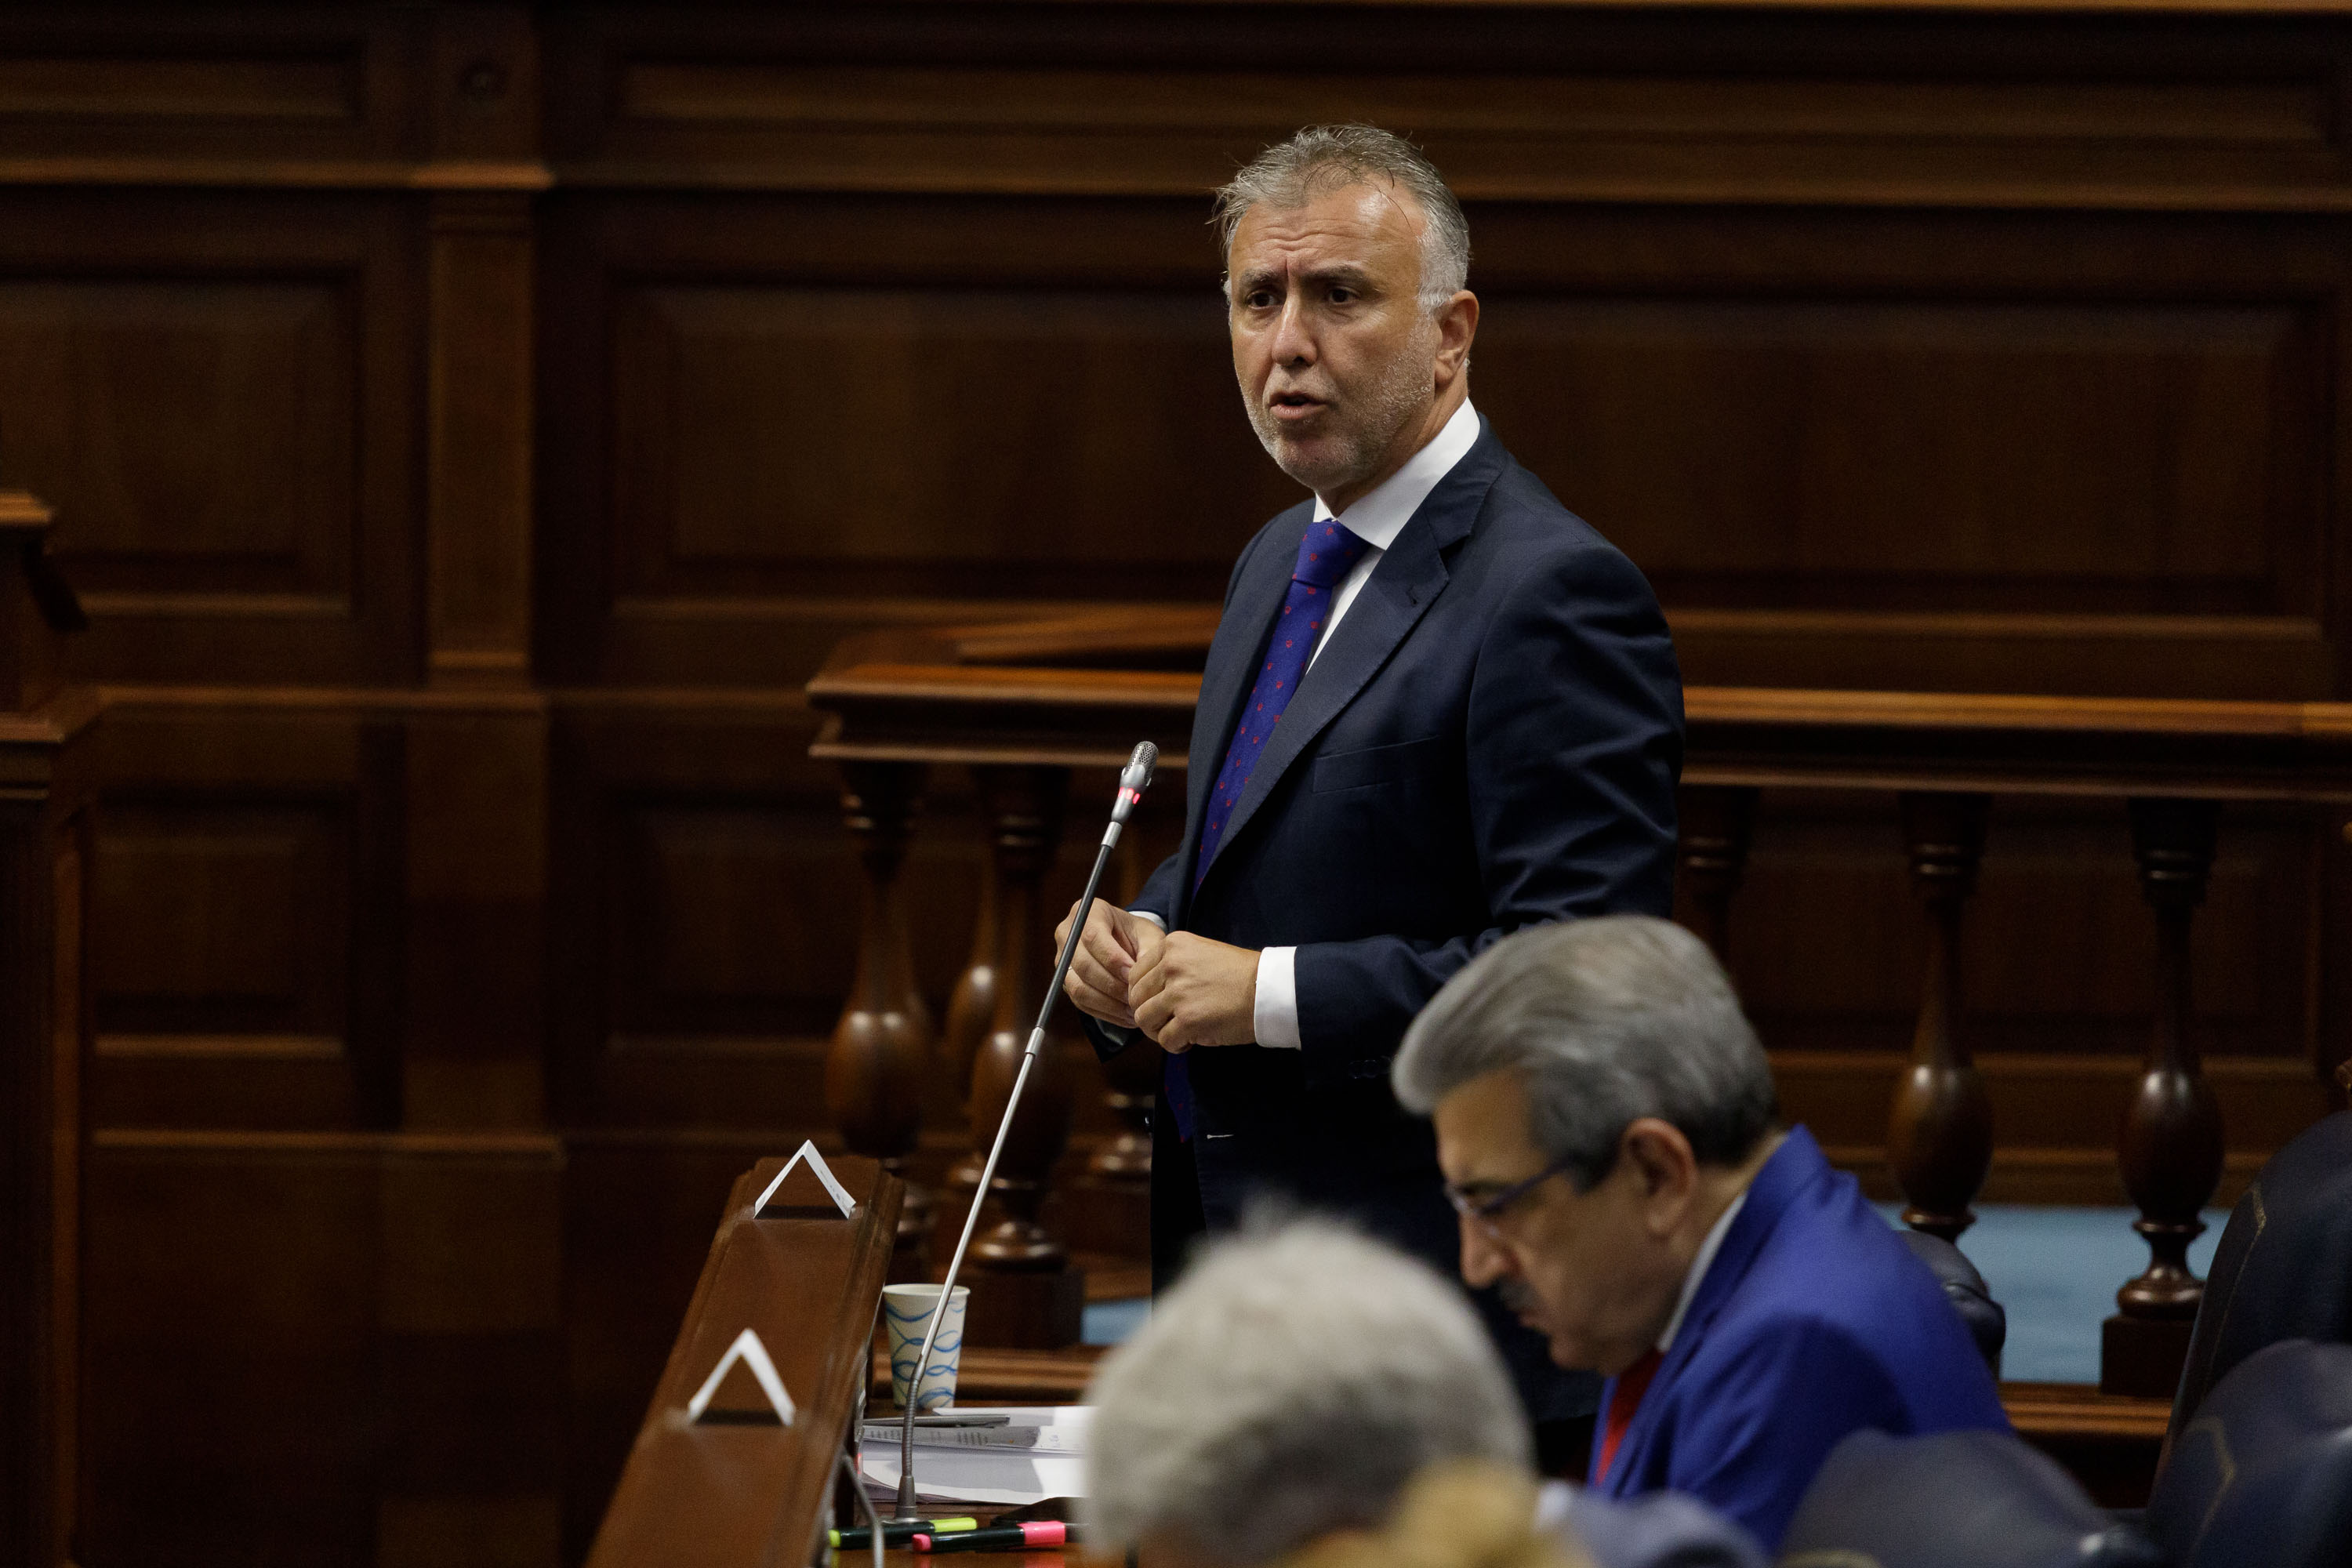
1486	1208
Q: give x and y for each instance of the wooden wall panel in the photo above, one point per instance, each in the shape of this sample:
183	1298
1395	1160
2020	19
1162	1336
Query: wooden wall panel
749	469
2064	453
246	889
175	90
240	1019
1938	456
643	1031
219	395
317	920
746	422
2127	412
206	432
1610	104
318	1348
472	934
703	919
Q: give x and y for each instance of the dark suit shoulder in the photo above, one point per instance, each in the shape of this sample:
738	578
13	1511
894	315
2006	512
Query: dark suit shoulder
1523	517
1530	556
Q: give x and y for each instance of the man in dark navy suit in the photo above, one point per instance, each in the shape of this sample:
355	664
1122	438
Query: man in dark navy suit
1438	707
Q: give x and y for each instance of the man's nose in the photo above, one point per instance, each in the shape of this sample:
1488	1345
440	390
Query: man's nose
1294	343
1483	1260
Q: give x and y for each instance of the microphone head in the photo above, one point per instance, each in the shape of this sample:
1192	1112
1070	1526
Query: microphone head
1133	780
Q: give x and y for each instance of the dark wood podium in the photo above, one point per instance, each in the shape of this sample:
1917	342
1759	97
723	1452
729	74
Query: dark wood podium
732	1493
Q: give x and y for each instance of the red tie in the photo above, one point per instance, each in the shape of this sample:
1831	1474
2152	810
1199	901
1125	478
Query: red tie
1624	1400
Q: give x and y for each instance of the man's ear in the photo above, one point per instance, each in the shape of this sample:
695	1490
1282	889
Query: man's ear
1457	324
1663	1165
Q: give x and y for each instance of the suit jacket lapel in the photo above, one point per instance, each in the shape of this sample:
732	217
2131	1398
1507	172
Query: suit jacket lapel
1796	1162
1226	680
1393	599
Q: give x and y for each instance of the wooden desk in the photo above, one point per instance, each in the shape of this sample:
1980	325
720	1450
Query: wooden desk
734	1495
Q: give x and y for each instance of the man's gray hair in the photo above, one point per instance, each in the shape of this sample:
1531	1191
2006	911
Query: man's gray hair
1611	1019
1290	1385
1325	158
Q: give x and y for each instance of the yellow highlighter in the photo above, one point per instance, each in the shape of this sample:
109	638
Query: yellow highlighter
895	1531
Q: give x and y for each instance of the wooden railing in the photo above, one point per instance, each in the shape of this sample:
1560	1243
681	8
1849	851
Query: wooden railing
1022	704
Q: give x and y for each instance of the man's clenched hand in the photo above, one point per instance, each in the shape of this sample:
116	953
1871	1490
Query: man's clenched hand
1115	945
1194	992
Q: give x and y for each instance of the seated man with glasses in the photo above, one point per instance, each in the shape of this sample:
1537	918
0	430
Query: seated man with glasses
1608	1128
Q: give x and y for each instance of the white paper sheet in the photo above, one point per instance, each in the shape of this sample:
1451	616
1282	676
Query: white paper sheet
1010	1477
1032	1438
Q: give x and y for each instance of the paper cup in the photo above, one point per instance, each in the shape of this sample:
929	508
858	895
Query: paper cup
907	1310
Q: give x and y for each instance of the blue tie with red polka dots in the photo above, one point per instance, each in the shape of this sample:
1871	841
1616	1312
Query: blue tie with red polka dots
1325	556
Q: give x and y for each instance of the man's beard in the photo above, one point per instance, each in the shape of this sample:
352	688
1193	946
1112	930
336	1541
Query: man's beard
1519	1297
1386	407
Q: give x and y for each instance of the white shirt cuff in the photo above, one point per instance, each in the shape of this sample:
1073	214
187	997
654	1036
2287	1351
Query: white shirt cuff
1276	1013
1148	915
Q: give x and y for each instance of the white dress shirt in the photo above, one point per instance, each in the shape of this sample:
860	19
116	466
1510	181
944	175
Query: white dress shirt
1700	1264
1377	518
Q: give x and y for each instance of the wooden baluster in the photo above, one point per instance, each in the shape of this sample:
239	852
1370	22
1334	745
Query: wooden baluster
1717	823
973	1008
879	1062
1025	1292
971	1013
1134	1078
1939	1136
2171	1147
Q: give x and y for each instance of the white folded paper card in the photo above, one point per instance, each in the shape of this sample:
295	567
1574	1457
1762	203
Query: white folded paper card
747	1350
823	1172
1013	1477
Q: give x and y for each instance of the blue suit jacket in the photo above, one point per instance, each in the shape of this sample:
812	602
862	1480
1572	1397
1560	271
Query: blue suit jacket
1488	739
1814	1321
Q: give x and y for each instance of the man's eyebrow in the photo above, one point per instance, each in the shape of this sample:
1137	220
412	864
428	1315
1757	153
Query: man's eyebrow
1347	272
1352	274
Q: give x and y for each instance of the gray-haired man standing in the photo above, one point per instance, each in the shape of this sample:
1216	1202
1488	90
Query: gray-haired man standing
1438	707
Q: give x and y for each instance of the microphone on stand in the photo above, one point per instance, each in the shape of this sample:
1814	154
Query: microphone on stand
1133	780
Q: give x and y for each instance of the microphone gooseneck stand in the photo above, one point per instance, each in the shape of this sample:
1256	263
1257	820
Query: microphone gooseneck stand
1133	780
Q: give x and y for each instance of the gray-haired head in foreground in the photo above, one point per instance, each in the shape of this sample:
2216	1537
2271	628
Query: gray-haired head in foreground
1326	158
1290	1385
1612	1019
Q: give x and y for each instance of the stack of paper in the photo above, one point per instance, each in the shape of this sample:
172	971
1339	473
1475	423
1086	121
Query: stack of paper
1039	1454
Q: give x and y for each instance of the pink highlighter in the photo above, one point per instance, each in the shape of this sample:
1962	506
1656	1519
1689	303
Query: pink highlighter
1050	1533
